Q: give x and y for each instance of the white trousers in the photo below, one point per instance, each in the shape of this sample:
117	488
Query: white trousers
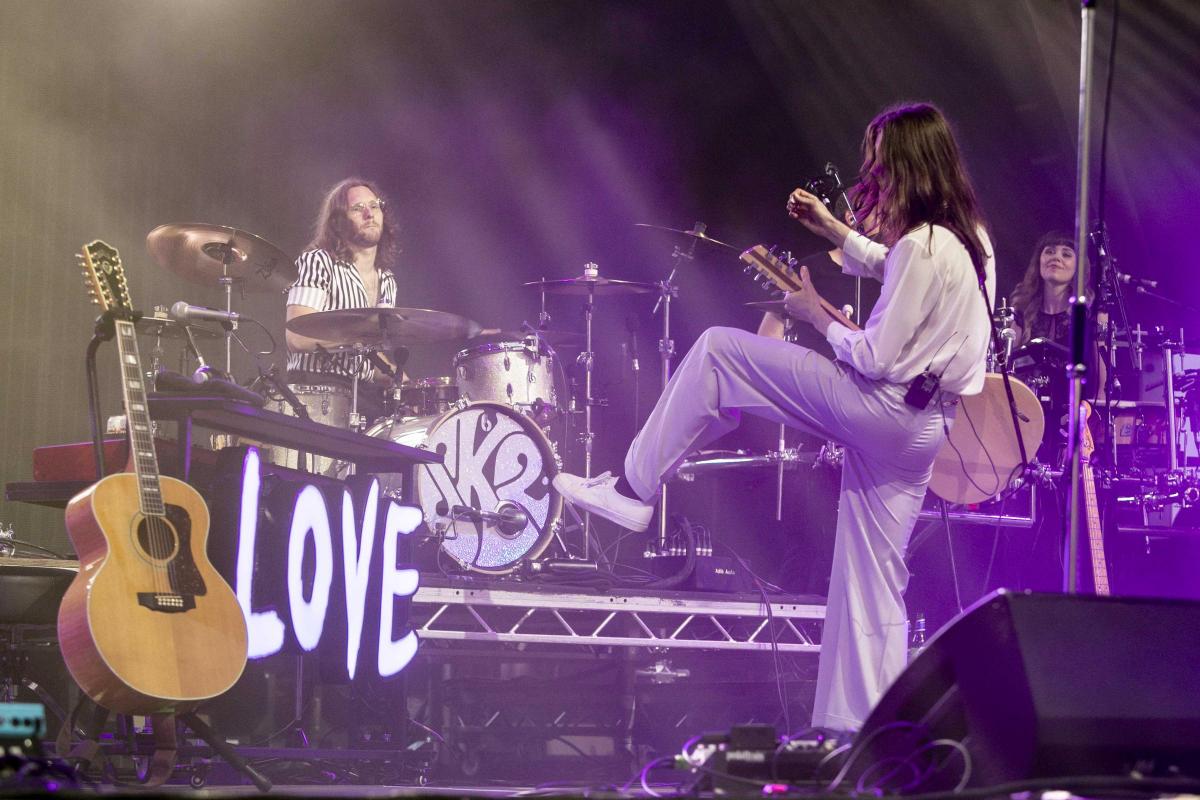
890	448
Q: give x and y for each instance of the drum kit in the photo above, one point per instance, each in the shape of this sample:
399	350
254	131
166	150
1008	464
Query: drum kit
494	418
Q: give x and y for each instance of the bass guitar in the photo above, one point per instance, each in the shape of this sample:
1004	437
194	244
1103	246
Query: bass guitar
148	626
980	456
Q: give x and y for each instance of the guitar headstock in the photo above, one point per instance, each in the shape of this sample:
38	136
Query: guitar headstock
104	277
765	264
1088	445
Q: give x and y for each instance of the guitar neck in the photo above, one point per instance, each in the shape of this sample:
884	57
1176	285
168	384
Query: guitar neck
137	415
783	278
1095	532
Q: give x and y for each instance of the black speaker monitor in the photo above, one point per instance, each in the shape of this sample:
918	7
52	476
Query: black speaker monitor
1047	685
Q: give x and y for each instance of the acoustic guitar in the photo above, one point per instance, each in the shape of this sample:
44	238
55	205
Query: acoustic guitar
148	626
980	455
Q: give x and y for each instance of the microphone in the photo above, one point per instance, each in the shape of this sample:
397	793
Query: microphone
832	171
183	312
1010	338
1141	283
508	517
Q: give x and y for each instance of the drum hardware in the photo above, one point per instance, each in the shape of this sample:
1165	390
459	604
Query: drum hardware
589	284
1004	318
667	291
707	461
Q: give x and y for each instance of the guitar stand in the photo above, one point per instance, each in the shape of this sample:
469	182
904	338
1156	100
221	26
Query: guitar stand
87	720
224	749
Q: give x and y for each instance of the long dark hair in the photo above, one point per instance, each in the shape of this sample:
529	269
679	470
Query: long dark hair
333	225
1029	293
918	178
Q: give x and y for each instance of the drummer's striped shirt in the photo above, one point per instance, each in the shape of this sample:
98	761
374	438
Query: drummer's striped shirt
325	282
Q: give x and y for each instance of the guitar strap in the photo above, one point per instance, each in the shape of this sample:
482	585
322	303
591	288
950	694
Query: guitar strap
999	348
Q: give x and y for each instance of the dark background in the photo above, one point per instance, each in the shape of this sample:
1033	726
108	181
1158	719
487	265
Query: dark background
518	140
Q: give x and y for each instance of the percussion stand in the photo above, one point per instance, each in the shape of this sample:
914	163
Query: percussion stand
226	253
587	358
667	290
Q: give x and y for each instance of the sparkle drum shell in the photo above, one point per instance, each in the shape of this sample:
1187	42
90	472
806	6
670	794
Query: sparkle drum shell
515	373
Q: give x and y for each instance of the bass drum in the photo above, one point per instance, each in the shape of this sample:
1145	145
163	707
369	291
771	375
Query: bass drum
493	459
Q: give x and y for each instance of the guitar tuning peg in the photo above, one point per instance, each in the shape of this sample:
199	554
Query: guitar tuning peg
767	287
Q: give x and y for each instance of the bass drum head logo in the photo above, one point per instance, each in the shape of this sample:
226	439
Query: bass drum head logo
493	459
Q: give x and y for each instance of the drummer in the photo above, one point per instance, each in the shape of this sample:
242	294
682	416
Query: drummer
348	264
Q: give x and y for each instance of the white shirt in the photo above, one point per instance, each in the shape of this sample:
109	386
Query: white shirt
930	313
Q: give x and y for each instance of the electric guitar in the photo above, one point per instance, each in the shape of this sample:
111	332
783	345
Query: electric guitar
1092	508
981	454
148	625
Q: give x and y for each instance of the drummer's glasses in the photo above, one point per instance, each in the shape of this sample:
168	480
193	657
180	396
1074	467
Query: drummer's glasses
374	205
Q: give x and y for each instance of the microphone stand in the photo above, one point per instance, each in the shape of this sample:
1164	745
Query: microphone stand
1077	371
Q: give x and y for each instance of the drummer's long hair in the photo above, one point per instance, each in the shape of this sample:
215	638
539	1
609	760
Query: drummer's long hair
333	225
918	178
1029	293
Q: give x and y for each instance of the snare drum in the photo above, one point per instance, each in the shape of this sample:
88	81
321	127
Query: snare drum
493	459
518	374
327	404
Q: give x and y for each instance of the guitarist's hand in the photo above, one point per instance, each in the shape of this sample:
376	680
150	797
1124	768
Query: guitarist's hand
813	214
805	304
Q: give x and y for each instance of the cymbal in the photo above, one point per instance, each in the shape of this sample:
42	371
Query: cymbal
583	285
555	338
197	251
703	237
388	327
171	329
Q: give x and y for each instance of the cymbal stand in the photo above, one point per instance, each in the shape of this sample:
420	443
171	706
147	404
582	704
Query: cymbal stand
666	351
226	253
586	359
789	335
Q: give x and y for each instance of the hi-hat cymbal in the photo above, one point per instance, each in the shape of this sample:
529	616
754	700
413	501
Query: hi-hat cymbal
585	285
387	327
699	236
171	329
198	252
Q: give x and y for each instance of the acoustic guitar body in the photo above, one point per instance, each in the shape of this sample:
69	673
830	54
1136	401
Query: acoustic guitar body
148	625
981	455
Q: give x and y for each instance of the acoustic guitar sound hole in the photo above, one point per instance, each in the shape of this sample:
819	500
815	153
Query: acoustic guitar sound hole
156	537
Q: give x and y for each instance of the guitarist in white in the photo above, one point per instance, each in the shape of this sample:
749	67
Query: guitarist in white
889	398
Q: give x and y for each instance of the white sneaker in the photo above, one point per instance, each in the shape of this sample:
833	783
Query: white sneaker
599	495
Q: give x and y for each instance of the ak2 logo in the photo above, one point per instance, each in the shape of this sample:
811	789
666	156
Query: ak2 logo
323	569
492	459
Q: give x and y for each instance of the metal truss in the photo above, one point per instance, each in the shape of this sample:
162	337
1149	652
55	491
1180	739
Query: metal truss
611	620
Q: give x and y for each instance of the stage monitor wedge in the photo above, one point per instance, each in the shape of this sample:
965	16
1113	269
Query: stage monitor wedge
1047	685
